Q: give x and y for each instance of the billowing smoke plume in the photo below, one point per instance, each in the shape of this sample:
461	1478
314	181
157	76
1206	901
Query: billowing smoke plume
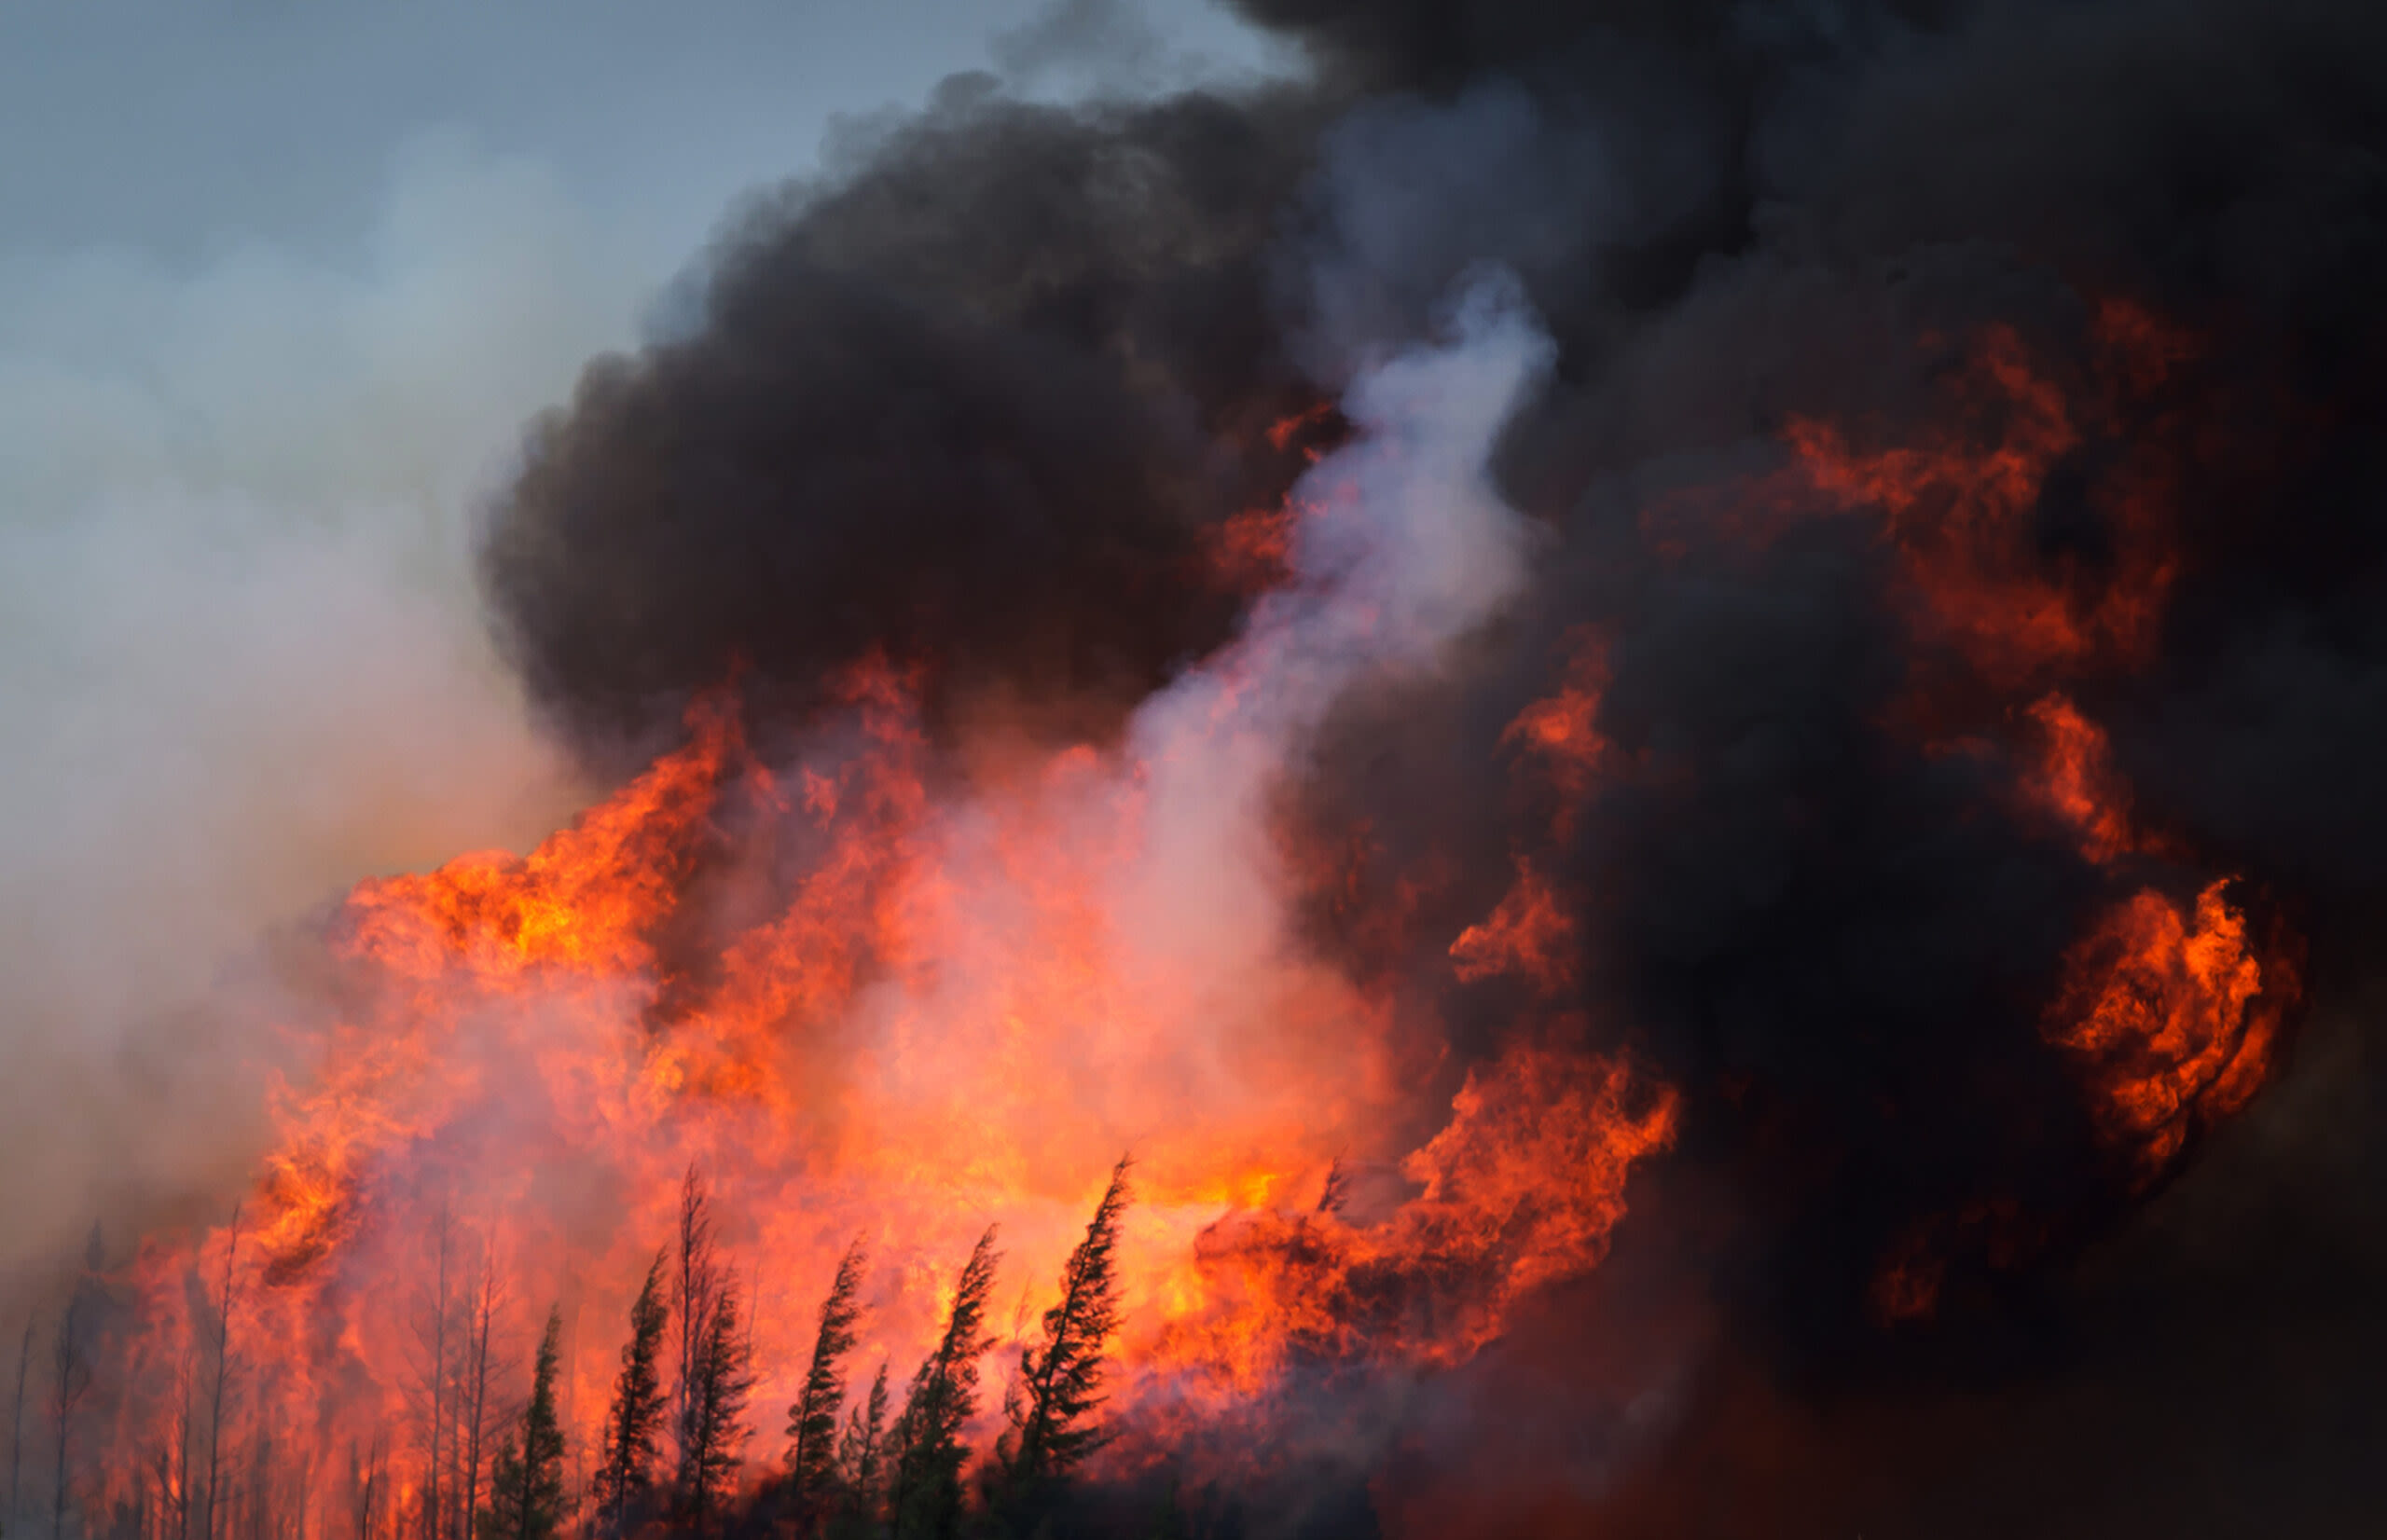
982	406
989	401
1674	704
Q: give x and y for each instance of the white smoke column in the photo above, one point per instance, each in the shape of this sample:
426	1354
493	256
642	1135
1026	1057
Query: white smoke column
1194	1021
1401	545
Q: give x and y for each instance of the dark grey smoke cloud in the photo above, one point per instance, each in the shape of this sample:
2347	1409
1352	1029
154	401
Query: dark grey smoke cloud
977	400
979	404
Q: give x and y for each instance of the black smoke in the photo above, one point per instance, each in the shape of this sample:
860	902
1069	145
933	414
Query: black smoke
983	398
979	406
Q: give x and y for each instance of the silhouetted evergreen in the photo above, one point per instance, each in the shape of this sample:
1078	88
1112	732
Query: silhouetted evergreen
1052	1404
861	1463
694	1293
713	1426
812	1422
924	1498
626	1473
525	1488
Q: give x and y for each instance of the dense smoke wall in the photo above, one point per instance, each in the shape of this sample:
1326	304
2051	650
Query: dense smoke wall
989	400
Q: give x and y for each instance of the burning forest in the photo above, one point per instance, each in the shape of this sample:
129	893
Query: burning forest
1605	769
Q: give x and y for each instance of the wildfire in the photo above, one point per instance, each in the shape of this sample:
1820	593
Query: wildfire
871	998
874	999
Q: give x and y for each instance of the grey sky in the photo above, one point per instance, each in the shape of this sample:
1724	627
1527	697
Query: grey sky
169	126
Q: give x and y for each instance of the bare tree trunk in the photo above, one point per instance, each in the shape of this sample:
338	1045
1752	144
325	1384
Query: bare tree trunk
302	1490
578	1441
433	1514
16	1425
260	1494
698	1282
222	1372
74	1380
264	1488
365	1484
475	1389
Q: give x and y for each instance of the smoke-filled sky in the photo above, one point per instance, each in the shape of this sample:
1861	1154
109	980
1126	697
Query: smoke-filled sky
1925	625
280	287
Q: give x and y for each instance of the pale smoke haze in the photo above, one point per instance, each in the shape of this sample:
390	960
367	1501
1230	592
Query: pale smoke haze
243	663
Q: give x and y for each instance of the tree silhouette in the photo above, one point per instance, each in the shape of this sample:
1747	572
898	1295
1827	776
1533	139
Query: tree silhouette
434	1332
862	1461
635	1418
812	1422
71	1381
474	1413
925	1495
225	1300
1052	1404
713	1425
695	1290
526	1486
17	1421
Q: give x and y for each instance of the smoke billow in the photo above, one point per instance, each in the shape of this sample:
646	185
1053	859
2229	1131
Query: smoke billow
985	399
981	406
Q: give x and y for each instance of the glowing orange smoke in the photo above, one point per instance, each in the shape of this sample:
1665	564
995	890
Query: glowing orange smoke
1560	729
2076	781
1530	933
2170	1008
2161	1007
2173	1013
1958	508
1252	551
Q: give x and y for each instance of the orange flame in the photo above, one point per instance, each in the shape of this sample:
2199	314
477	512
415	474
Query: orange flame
864	1009
2172	1016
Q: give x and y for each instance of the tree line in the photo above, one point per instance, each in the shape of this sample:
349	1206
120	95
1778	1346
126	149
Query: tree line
855	1468
498	1465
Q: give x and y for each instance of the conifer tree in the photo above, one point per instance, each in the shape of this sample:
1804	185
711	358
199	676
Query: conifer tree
70	1382
626	1473
694	1295
719	1381
862	1461
525	1488
924	1498
1052	1404
812	1422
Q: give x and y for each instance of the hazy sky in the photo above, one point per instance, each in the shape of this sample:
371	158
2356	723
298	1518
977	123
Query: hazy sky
170	126
280	285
